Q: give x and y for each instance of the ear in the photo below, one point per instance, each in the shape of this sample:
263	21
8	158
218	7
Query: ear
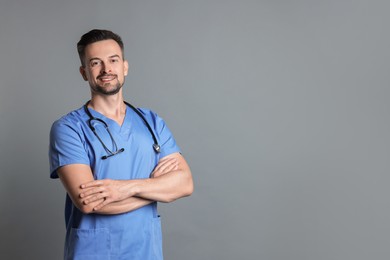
82	72
125	67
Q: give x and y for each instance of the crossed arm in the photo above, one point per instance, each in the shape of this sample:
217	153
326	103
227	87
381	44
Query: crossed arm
170	180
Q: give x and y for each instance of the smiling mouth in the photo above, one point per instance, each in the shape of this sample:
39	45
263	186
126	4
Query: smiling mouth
107	78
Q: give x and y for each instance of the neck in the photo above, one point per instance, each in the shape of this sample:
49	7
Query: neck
112	107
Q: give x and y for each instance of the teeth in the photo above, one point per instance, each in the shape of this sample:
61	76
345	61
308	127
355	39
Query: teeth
104	79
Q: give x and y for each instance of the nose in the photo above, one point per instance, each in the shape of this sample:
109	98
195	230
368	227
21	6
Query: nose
106	68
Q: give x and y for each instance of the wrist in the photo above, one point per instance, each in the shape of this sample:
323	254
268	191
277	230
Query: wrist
135	187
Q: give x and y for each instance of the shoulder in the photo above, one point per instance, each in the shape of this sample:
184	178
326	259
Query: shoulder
147	112
72	120
152	117
161	131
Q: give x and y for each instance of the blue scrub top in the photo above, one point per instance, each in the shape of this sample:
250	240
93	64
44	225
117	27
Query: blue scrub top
133	235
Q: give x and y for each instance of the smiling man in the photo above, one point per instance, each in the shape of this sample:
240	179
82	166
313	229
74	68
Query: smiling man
115	162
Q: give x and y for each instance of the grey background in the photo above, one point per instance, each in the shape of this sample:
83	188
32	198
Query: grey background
281	109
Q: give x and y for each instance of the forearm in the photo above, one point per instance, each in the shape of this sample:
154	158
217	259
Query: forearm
114	207
123	206
169	186
73	175
168	183
165	188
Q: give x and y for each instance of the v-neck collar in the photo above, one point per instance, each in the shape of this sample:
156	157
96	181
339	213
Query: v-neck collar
112	124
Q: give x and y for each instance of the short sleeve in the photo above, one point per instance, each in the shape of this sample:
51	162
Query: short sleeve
66	146
164	136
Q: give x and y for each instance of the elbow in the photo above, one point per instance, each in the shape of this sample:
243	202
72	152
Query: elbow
172	197
186	191
85	209
189	190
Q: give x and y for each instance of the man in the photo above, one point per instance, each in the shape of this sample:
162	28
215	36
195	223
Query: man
115	162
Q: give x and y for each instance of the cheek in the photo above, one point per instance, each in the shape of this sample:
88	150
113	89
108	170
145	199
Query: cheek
92	75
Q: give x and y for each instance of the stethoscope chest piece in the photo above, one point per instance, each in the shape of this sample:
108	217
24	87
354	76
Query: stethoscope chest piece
156	148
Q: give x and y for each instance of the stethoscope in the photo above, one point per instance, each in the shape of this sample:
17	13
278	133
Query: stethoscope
156	146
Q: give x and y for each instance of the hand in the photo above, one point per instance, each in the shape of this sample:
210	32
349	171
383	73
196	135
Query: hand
164	166
107	190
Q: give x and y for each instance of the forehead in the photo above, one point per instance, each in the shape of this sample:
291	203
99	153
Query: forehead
103	49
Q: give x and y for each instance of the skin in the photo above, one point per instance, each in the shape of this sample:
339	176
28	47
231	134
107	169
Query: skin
105	71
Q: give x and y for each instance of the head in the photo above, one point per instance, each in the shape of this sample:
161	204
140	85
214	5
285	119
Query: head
102	61
95	36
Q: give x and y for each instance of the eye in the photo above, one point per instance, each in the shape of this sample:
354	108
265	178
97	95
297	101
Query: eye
114	60
95	63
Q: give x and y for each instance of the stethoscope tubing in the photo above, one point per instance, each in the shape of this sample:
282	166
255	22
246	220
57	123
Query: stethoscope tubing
156	146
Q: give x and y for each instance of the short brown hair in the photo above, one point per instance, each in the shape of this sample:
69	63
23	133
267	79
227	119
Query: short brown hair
95	36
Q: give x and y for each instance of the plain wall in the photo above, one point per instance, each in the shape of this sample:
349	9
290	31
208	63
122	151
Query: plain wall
280	107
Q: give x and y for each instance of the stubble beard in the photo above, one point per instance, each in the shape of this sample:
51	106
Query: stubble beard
107	91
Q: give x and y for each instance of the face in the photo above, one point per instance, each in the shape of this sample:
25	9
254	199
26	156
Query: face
104	69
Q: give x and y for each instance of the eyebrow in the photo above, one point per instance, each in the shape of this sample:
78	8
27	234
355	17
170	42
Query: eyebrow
112	56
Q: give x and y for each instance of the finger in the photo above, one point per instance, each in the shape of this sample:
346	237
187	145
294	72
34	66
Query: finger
161	167
168	167
165	161
101	205
155	175
91	184
165	166
95	198
92	191
89	200
161	172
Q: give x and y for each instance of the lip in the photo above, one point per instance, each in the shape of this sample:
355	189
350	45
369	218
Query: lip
106	78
